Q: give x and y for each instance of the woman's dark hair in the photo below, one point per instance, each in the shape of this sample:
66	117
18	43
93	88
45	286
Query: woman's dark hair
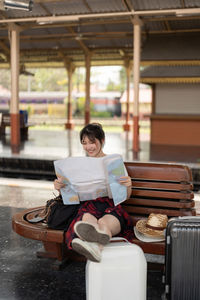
93	131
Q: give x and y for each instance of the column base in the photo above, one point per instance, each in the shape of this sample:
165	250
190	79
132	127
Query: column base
127	127
15	149
136	146
69	126
15	133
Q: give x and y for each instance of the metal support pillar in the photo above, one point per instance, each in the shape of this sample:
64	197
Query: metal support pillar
87	88
136	80
14	104
70	69
127	65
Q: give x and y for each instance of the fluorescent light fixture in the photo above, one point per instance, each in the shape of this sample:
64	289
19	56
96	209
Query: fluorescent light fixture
11	4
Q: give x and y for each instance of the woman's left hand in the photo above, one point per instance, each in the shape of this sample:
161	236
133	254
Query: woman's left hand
126	181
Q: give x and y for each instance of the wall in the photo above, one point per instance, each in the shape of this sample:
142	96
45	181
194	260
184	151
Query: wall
176	117
177	98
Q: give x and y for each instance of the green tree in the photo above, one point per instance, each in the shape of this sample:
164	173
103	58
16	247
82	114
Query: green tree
48	80
79	108
5	79
122	76
110	86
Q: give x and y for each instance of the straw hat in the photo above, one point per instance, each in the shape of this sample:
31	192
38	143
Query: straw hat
153	226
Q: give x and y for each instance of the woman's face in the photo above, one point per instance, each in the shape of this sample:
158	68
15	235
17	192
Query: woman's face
92	148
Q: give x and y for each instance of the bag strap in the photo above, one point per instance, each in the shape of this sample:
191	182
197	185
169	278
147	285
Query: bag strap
37	218
43	214
119	239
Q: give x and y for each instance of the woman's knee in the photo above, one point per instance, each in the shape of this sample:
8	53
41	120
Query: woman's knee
111	222
87	217
103	222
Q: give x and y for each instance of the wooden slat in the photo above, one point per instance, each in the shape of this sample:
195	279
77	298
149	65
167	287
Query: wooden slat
162	194
155	248
168	212
160	172
161	203
162	185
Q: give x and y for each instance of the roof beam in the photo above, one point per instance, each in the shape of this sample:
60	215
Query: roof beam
128	5
91	35
45	8
109	21
183	3
74	18
167	25
79	41
87	5
48	1
5	48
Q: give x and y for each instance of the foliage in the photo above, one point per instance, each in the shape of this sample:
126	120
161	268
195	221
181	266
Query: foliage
47	80
5	79
79	107
118	86
101	114
43	80
56	79
122	75
110	86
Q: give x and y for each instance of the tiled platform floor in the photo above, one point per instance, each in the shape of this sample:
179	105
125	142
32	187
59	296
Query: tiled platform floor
52	144
57	144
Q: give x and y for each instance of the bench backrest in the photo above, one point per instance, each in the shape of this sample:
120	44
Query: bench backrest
160	188
6	120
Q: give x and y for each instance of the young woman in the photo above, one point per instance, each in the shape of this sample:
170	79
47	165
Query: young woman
97	220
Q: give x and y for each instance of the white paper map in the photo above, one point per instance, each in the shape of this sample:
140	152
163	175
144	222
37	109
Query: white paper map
88	178
115	170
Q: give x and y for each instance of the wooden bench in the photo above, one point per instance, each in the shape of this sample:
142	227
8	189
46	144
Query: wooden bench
156	187
6	122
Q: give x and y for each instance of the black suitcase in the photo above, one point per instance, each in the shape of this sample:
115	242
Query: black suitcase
182	259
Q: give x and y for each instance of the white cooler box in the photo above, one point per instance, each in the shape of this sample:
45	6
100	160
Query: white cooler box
121	274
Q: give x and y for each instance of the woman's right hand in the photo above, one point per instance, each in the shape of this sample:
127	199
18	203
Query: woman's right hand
58	184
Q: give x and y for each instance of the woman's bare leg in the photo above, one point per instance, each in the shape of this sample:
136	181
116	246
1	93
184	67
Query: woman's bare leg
87	217
110	224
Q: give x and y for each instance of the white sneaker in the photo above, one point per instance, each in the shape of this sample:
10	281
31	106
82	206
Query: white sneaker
88	232
90	250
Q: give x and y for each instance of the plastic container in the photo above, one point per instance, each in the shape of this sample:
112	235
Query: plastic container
121	274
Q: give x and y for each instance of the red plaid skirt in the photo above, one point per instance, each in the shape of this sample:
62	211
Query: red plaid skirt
98	208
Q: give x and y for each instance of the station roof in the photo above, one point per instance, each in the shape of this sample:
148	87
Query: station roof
58	30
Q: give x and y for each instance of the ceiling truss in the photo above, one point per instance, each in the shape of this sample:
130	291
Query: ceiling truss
104	35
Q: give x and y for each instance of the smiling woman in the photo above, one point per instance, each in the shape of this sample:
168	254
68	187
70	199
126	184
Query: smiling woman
97	220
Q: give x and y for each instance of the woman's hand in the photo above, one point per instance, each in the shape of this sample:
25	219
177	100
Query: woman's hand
58	184
126	181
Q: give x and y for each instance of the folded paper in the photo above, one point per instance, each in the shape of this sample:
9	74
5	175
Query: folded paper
89	178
